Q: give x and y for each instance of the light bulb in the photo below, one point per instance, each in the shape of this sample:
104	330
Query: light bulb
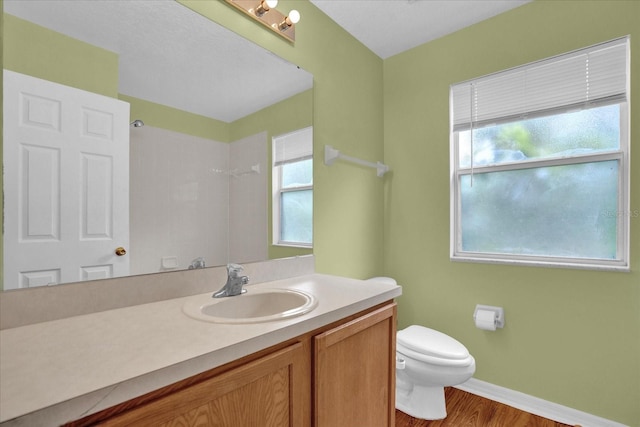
294	16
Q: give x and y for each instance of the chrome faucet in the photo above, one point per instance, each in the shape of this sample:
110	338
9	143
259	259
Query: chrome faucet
234	282
197	263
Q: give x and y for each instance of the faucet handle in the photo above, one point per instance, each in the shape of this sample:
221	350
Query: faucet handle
234	269
197	263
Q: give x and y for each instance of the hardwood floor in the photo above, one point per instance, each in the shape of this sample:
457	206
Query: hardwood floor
468	410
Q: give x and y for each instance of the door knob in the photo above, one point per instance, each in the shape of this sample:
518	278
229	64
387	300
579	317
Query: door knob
120	251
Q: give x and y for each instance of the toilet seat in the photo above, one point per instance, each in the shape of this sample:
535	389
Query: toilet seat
430	346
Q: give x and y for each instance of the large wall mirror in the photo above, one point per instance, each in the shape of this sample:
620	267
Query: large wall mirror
196	107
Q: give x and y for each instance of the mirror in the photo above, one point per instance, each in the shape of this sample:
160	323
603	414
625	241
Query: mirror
198	169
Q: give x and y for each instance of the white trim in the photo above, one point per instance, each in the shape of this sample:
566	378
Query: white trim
535	405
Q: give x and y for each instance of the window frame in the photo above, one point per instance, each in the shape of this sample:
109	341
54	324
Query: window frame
623	214
278	191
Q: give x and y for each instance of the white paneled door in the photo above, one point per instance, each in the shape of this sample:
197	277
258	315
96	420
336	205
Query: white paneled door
66	183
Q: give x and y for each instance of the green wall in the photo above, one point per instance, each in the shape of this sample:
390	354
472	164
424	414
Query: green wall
571	336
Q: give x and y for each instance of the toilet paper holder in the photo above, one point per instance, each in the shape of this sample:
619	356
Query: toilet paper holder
498	313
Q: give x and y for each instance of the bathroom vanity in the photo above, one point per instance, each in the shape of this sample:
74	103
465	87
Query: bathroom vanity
151	364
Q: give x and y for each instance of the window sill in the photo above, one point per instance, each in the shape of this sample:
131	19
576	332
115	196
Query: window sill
618	266
293	245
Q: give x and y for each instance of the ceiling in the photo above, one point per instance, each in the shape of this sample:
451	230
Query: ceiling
388	27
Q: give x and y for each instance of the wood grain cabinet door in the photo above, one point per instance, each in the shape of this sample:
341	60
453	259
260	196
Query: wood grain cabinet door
354	372
268	392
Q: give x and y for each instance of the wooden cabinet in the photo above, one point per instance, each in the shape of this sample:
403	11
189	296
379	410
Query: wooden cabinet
354	372
269	392
339	375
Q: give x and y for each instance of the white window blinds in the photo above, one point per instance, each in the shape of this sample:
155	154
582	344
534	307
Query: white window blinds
581	79
293	147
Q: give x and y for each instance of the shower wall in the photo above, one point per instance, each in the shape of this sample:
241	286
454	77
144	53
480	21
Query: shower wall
194	197
248	199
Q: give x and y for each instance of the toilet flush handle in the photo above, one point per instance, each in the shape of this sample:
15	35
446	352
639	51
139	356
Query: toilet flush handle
400	363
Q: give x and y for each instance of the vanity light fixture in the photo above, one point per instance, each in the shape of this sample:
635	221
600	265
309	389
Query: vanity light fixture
264	12
264	7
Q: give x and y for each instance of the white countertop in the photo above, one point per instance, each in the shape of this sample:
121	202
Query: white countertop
58	371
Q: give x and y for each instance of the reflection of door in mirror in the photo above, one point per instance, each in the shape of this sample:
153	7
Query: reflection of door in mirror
67	208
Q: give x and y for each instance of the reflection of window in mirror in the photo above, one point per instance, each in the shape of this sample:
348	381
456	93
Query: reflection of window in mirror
293	188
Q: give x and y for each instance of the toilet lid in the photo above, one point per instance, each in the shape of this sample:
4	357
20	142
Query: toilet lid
431	343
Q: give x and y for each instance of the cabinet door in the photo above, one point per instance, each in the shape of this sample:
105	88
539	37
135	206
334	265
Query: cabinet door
354	372
269	391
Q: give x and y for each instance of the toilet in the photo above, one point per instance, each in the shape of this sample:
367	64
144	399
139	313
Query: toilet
427	361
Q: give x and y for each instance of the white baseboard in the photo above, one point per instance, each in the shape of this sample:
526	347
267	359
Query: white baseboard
534	405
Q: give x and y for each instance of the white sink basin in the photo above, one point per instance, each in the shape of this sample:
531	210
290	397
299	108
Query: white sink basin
254	306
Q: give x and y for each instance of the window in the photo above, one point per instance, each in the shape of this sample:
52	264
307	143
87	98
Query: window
540	165
293	188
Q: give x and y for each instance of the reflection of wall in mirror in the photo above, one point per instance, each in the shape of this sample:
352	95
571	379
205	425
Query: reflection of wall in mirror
40	52
183	197
171	181
292	114
184	200
165	204
248	199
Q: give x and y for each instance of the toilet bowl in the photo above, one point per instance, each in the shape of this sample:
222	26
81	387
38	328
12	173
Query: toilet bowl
427	361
